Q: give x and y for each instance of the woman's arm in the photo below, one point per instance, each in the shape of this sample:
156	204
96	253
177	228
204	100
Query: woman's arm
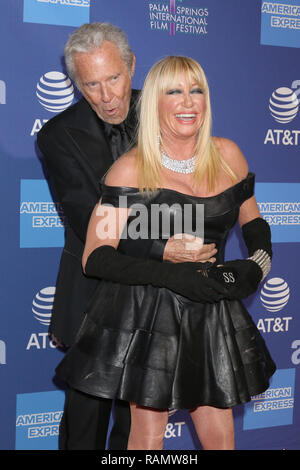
105	228
245	274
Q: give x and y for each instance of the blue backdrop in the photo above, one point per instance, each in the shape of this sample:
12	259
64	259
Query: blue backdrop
250	52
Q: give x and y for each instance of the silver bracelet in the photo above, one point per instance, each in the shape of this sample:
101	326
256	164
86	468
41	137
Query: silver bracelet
263	260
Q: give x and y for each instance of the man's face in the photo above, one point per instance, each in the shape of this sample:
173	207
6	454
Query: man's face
105	82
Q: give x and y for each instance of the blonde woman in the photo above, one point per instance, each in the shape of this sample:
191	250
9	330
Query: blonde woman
165	335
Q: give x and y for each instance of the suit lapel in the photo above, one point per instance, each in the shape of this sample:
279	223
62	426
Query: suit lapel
87	132
89	138
94	151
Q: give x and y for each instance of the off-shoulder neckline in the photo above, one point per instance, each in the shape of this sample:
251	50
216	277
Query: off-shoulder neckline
249	175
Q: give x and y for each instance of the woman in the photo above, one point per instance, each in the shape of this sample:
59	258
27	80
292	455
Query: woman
174	335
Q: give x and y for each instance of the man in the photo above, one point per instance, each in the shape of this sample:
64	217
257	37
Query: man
79	146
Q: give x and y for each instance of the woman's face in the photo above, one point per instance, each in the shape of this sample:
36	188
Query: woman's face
181	110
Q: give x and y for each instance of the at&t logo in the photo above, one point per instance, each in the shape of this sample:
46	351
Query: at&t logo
55	93
275	294
42	310
274	297
42	305
173	429
284	107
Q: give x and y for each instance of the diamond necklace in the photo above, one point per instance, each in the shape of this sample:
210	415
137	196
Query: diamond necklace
179	166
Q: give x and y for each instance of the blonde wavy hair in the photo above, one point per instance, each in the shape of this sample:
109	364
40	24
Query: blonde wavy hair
163	76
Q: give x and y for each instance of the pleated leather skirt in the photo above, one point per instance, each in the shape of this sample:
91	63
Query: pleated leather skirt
152	347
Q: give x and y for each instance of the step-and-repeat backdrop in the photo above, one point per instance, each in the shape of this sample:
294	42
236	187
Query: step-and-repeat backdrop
250	52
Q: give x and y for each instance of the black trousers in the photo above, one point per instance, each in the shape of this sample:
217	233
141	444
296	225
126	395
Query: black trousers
85	421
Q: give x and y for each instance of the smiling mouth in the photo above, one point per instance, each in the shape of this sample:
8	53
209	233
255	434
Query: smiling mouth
186	117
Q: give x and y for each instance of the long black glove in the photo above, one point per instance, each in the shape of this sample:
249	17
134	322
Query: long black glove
107	263
243	276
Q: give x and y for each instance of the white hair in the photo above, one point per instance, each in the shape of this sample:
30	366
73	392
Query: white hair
92	35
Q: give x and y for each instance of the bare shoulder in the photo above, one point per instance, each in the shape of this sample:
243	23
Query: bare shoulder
232	155
124	171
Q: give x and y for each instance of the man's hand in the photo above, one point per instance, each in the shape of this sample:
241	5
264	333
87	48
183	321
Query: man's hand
184	247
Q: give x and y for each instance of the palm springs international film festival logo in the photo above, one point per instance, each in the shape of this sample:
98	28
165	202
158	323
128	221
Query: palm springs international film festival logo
175	17
283	108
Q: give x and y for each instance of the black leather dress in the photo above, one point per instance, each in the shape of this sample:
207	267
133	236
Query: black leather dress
159	349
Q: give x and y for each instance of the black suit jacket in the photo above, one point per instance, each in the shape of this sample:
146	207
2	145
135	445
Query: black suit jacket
77	155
